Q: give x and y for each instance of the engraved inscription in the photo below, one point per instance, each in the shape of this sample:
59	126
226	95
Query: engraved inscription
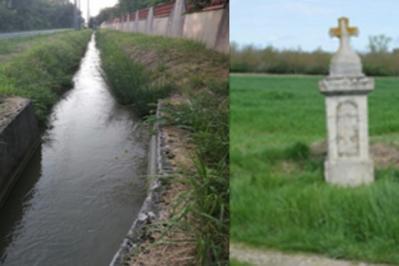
347	129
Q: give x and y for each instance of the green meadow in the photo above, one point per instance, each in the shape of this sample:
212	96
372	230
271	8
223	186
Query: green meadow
278	195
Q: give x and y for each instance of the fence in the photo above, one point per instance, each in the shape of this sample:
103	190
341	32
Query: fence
178	19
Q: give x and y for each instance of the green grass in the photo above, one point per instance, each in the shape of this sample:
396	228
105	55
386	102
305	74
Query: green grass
14	45
44	71
9	48
173	61
279	198
205	116
130	81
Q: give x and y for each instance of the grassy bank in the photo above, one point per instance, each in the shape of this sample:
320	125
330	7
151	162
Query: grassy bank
279	198
198	77
131	83
271	60
11	47
44	69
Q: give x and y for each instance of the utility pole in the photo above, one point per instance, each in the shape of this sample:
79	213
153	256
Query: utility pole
88	13
75	16
79	15
76	20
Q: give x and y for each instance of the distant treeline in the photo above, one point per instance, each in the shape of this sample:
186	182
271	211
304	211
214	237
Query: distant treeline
127	6
19	15
272	60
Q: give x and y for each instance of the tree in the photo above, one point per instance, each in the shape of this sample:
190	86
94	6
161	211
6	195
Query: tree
379	43
16	15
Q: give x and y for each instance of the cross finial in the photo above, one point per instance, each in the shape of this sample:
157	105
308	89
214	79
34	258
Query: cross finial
345	61
343	30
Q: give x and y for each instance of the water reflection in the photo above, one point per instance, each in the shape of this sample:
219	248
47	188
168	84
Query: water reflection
17	202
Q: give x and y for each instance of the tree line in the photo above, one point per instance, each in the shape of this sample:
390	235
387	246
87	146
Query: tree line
379	60
19	15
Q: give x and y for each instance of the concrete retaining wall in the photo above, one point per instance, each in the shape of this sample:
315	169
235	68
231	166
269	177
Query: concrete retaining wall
201	27
160	26
141	26
210	26
19	137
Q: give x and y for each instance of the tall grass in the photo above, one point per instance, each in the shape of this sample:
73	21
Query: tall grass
130	82
271	60
206	117
43	72
19	44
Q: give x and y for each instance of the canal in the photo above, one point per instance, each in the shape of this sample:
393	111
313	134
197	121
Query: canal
84	186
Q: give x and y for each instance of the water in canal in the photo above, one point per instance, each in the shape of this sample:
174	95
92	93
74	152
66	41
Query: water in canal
85	185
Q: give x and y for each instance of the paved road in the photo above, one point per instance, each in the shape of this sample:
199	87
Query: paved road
10	35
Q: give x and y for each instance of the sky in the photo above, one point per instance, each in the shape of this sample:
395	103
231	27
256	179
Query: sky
95	6
289	24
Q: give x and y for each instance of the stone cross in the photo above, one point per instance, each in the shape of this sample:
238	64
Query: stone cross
348	161
345	62
344	31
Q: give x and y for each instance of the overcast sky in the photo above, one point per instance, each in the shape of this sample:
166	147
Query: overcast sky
305	23
95	6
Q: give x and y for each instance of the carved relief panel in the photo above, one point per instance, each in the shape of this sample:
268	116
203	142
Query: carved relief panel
347	129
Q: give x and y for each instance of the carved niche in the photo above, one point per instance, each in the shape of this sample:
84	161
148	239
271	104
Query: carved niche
347	129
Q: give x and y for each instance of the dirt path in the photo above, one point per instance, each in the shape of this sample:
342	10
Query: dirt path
250	74
259	257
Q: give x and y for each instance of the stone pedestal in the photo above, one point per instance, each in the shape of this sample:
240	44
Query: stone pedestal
348	162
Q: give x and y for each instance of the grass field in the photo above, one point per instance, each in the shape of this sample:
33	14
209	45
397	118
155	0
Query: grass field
278	196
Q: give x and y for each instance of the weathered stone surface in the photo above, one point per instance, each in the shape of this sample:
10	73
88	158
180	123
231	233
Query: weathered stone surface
348	161
19	135
346	85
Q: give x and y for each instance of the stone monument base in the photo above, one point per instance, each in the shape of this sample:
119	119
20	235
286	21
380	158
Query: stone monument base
349	173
